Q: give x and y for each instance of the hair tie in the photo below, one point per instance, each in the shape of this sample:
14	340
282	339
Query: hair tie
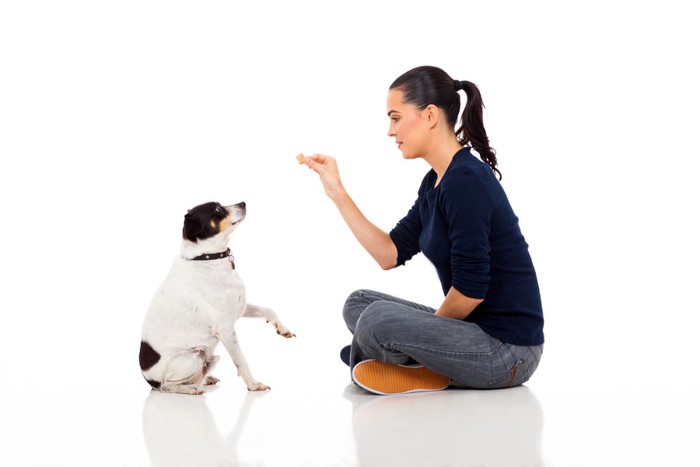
458	85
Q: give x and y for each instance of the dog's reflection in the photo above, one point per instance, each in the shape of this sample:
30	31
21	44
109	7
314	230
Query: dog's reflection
453	427
180	430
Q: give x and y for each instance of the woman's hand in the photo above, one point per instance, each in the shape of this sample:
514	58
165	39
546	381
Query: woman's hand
327	169
457	305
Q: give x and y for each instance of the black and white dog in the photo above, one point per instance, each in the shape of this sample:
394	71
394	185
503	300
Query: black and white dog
197	306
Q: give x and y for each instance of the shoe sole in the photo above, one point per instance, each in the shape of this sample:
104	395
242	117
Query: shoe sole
386	378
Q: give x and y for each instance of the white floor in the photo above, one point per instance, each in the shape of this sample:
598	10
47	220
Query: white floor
314	416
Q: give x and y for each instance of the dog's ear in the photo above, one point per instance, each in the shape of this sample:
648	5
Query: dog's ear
192	227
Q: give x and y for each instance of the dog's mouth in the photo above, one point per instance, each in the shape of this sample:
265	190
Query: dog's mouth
236	213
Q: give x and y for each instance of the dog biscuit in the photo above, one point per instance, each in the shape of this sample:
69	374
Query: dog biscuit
300	158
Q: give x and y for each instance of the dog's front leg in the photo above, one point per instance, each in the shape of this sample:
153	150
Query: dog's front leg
230	341
255	311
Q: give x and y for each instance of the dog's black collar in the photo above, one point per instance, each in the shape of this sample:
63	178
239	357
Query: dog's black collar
208	256
220	255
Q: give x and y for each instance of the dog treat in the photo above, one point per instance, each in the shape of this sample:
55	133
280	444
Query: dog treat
300	158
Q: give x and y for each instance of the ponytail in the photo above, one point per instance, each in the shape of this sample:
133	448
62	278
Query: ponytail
426	85
471	130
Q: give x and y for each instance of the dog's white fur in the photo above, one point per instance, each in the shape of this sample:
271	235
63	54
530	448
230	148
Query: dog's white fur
195	308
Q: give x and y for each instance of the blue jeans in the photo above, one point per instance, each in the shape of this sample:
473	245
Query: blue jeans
397	331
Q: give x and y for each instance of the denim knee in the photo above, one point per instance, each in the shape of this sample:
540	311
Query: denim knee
354	305
376	334
376	319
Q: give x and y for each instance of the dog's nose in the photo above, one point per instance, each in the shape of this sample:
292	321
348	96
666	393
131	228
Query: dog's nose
241	205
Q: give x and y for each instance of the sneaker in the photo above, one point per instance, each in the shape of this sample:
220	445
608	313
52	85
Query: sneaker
345	355
387	378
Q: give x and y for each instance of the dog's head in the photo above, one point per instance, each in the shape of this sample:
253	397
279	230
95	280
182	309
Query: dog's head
211	219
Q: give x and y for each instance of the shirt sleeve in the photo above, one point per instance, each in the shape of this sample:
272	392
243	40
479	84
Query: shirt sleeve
467	206
406	233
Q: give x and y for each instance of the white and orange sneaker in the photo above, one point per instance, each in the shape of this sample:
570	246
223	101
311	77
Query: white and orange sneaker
387	378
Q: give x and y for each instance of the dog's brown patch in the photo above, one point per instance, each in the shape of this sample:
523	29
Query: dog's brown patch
224	223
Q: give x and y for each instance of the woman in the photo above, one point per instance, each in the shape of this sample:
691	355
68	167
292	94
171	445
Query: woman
488	331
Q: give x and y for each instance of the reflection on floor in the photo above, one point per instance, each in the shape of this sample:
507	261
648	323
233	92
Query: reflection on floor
318	419
181	430
453	427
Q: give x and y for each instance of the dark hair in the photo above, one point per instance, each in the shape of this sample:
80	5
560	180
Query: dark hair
426	85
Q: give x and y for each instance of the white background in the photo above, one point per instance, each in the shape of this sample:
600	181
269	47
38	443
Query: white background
116	117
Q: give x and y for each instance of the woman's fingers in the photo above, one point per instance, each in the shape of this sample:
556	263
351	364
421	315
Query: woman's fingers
320	158
327	169
314	161
321	163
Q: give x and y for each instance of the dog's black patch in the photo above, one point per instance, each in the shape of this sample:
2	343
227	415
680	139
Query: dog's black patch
147	356
154	384
199	220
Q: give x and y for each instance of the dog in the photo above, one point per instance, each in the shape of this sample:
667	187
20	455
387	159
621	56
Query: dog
197	306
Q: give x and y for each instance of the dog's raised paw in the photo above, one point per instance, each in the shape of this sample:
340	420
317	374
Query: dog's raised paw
284	332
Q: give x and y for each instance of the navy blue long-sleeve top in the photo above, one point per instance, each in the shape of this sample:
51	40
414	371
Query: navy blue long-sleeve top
466	227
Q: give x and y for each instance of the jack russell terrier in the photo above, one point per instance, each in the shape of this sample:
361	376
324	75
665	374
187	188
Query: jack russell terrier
197	306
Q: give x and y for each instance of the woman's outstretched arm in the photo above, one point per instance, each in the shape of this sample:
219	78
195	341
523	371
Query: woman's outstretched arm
373	239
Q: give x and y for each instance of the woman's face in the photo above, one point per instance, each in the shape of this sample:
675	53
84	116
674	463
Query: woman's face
407	125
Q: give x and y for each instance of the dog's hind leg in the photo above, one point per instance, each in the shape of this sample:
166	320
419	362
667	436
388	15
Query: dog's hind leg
186	371
255	311
209	380
208	366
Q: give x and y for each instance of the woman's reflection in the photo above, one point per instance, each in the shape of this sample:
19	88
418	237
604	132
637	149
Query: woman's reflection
453	427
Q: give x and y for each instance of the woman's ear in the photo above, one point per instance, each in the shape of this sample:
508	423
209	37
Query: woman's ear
432	113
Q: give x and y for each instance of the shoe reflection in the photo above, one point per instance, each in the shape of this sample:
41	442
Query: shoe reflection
179	430
448	428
